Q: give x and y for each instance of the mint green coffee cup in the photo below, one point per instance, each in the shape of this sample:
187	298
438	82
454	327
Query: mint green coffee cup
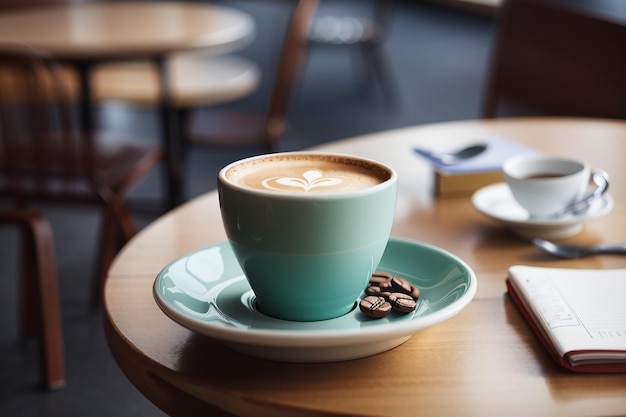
307	228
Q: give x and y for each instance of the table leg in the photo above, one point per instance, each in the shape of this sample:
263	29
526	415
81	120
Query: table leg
172	146
85	111
171	142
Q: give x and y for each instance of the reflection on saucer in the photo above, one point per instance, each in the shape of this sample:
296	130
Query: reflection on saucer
496	202
206	292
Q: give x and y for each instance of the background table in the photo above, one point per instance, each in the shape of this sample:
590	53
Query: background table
84	34
484	361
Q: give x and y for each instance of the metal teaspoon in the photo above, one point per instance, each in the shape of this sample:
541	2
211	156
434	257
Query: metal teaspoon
573	251
452	157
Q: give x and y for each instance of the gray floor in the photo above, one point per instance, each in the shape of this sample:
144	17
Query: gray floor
437	57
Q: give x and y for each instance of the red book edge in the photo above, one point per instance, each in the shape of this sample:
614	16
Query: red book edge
585	368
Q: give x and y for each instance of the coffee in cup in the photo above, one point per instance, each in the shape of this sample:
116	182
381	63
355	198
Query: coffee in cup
306	174
546	185
308	229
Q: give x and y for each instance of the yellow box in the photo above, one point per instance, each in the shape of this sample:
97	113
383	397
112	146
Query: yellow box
463	184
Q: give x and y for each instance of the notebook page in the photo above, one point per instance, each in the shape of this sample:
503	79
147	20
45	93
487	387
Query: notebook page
580	309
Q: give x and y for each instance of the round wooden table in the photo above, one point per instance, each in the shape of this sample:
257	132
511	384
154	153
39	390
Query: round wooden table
86	33
484	361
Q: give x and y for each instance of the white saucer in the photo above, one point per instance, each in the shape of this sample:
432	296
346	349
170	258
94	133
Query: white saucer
496	202
206	292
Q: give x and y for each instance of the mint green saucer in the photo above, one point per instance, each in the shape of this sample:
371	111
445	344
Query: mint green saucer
206	292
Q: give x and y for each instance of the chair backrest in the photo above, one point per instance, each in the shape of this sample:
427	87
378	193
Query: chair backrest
353	24
289	65
20	4
382	14
554	59
41	154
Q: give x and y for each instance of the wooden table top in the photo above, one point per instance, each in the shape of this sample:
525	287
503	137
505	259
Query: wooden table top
127	29
483	361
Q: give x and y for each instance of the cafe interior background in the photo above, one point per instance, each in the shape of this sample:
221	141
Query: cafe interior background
437	55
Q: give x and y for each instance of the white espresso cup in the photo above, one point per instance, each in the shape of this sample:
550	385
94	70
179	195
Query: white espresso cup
546	185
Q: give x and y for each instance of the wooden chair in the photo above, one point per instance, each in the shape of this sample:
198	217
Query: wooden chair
44	157
41	313
555	59
363	35
259	129
18	4
196	78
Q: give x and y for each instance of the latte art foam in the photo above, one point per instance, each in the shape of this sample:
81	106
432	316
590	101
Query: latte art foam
310	180
307	174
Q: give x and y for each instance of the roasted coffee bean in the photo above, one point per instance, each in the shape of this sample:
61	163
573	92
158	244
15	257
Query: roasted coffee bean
377	291
398	284
386	292
374	306
379	278
402	302
382	274
415	292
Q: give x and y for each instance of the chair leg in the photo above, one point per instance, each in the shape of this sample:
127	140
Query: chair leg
117	229
29	305
125	222
41	313
374	60
30	308
109	237
48	294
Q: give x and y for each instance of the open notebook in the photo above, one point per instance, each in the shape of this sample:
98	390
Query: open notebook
578	314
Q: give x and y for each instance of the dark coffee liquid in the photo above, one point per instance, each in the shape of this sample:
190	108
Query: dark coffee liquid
543	176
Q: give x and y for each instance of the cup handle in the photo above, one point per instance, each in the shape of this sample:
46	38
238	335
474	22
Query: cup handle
599	178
